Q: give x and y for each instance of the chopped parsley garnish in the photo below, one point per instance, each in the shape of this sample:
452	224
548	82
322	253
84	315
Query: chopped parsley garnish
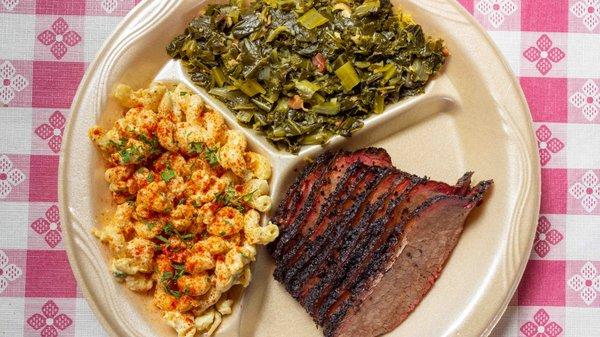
118	145
225	198
168	228
188	236
183	93
167	174
166	276
211	156
129	154
153	142
162	238
149	225
228	198
169	279
150	177
196	148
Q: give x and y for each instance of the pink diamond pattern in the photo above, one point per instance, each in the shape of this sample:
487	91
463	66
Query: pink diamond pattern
544	43
547	145
62	321
532	54
37	321
47	37
43	226
60	26
40	321
60	38
545	237
53	131
541	326
544	54
555	55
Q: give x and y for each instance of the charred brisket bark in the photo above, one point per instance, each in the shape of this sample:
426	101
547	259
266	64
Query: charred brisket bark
352	227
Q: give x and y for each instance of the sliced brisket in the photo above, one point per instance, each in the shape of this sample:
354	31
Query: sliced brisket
348	185
315	189
348	272
298	193
361	242
326	235
405	268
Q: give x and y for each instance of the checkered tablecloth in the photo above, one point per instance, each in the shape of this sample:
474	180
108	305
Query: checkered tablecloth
552	45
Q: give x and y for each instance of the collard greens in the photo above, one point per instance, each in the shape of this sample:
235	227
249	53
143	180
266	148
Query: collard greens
303	71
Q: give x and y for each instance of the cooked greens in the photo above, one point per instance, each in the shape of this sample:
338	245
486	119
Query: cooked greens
303	71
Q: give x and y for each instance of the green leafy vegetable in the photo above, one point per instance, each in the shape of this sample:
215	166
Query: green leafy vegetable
367	8
300	72
347	76
312	19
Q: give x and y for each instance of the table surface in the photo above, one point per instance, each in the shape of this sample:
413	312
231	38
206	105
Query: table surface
552	45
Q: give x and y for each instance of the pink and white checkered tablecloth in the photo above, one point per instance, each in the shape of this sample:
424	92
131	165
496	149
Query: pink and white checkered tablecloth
552	45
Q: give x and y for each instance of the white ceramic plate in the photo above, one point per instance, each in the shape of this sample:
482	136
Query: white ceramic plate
472	118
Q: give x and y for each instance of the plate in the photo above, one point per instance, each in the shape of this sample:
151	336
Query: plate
473	117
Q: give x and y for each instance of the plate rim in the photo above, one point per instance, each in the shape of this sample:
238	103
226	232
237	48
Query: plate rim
536	169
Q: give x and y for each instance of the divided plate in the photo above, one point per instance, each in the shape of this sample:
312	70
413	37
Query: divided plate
473	117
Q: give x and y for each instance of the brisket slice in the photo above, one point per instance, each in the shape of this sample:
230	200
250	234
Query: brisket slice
347	186
308	279
347	269
298	193
333	264
310	203
404	269
326	235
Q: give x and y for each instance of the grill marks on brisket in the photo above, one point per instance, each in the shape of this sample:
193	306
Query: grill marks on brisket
346	188
298	193
348	221
327	234
407	267
358	245
327	172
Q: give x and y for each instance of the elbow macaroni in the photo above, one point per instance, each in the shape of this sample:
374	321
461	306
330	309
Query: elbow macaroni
189	200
